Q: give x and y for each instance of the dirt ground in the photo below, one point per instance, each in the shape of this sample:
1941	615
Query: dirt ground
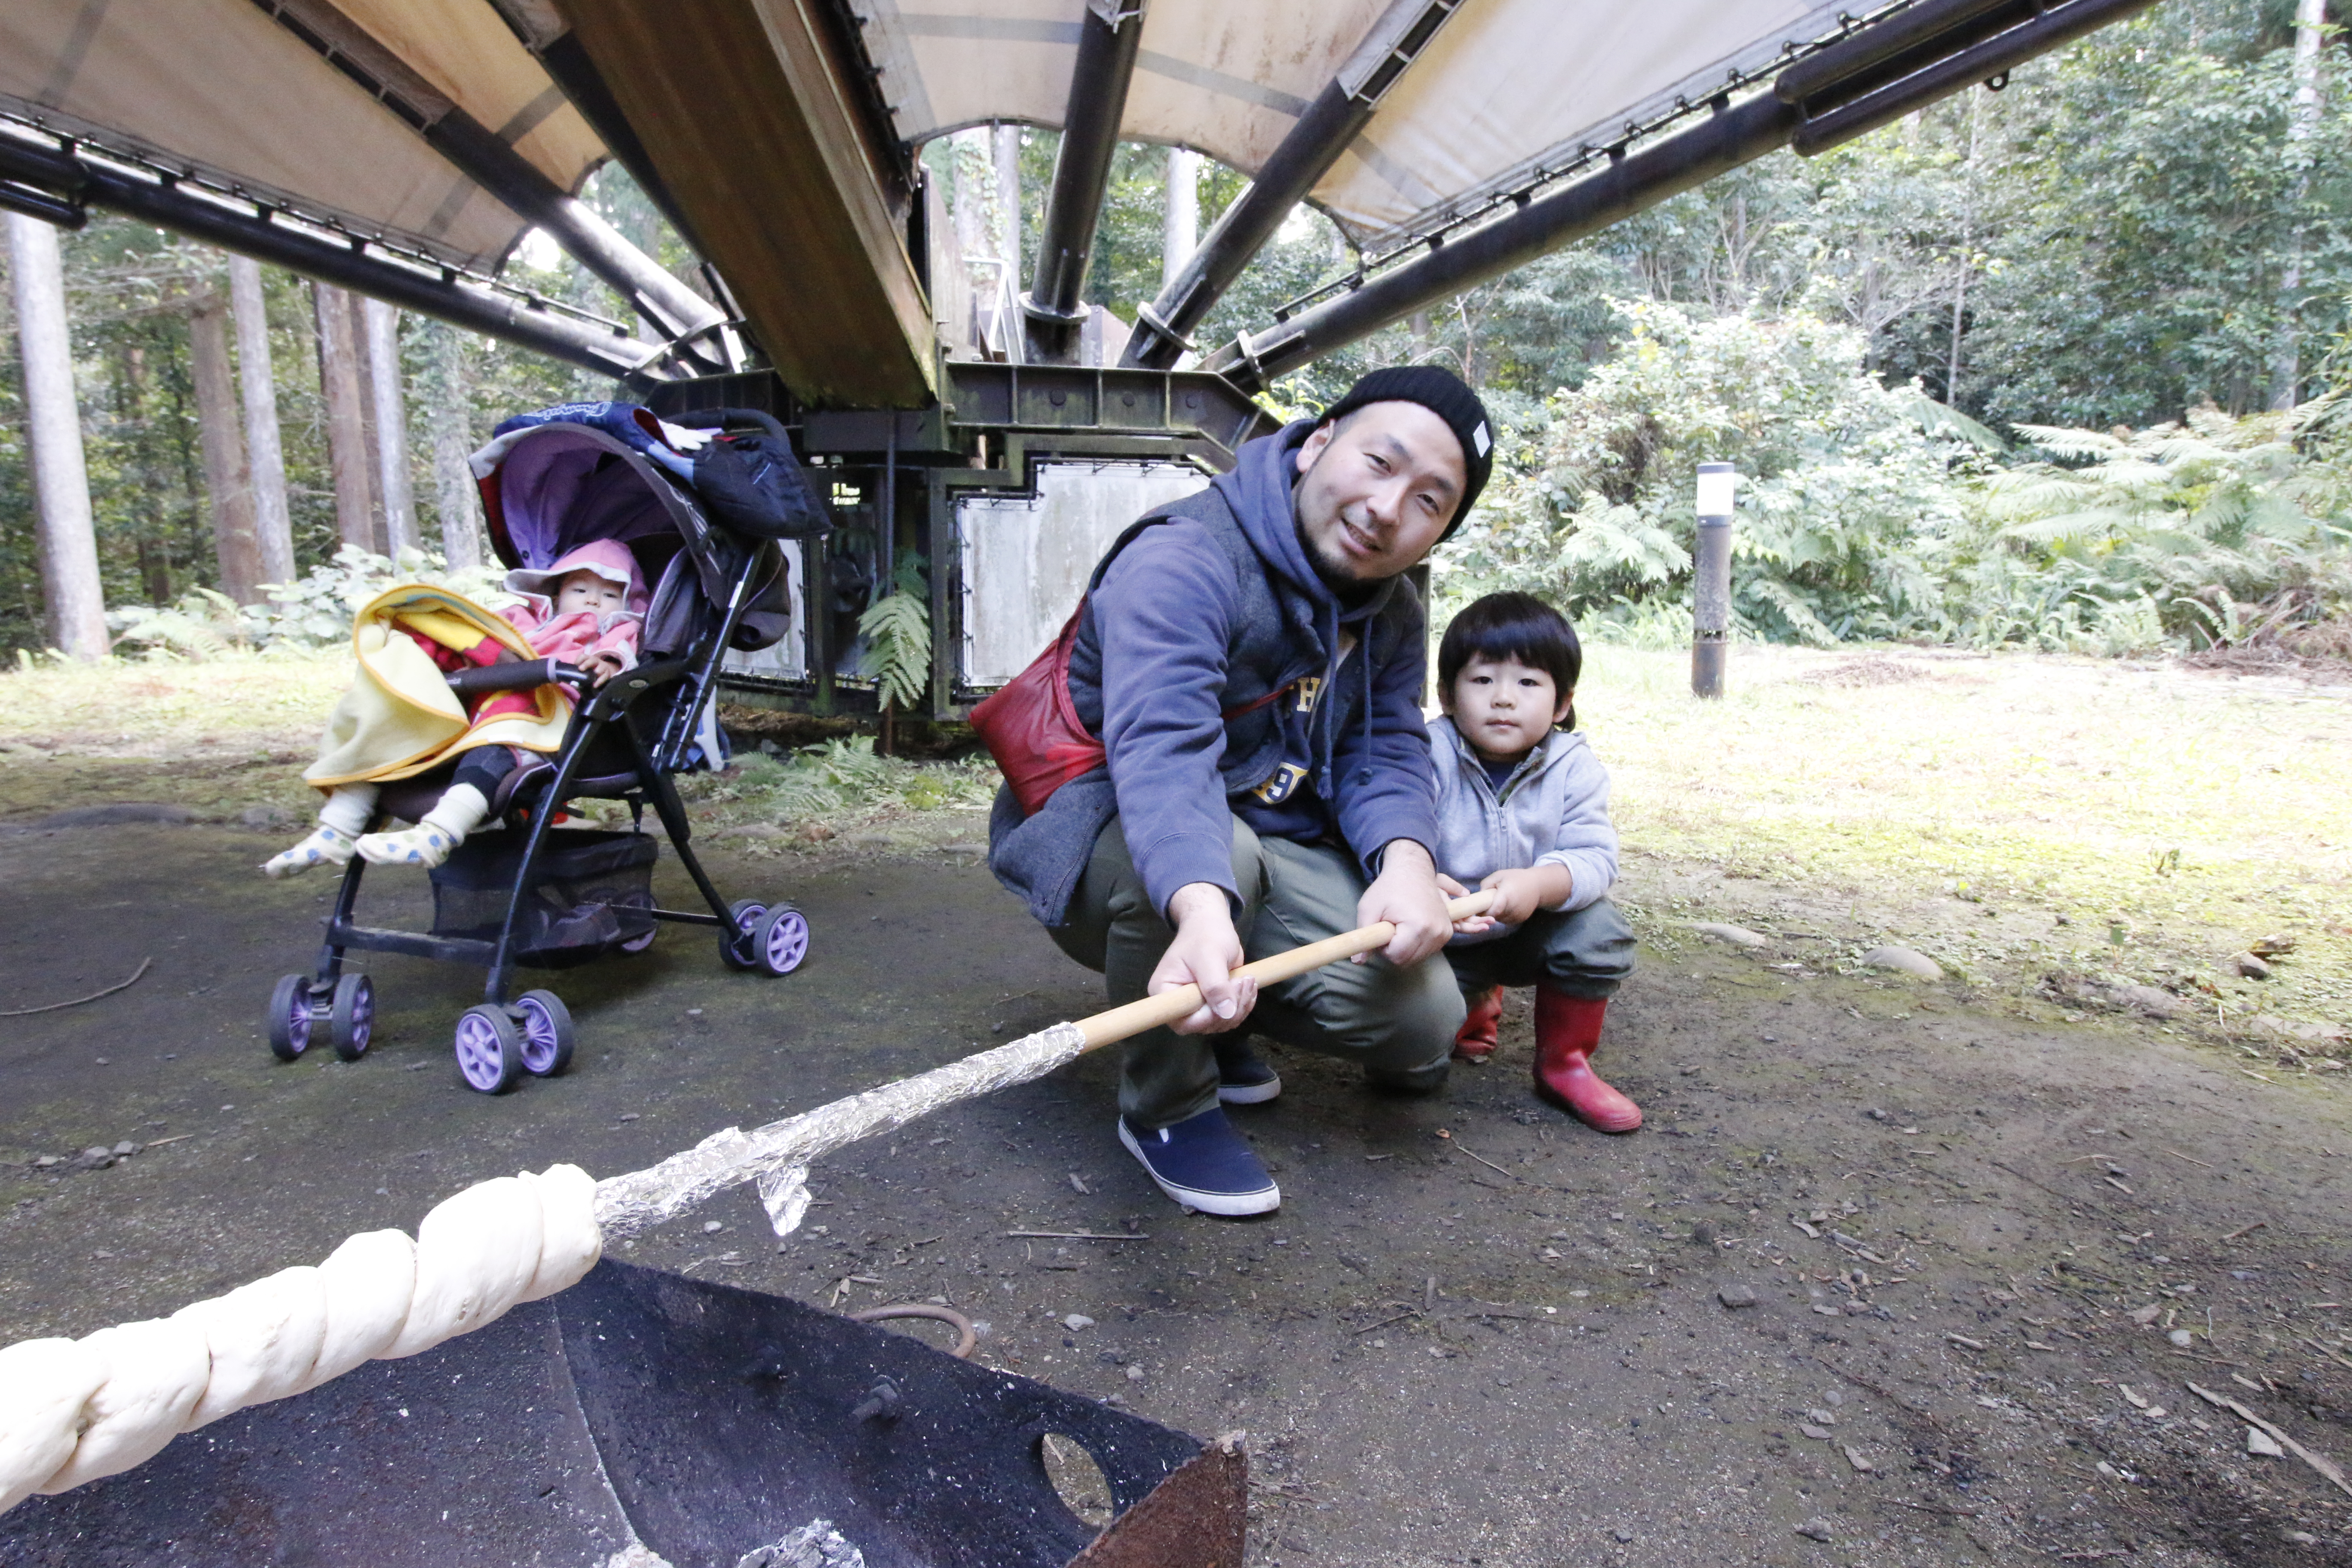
1475	1333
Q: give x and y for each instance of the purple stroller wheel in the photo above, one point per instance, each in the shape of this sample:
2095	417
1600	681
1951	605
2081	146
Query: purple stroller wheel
351	1017
735	946
290	1018
780	940
489	1050
546	1033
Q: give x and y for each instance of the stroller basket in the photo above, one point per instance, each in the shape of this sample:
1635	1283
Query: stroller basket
591	893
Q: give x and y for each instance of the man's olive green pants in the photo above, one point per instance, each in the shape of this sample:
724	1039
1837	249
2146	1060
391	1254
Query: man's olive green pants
1398	1023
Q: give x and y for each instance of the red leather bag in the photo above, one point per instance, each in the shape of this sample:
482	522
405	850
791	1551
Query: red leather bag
1031	726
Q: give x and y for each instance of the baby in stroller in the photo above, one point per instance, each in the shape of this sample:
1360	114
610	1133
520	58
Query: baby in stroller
587	610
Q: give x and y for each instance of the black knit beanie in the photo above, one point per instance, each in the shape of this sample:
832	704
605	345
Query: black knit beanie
1444	393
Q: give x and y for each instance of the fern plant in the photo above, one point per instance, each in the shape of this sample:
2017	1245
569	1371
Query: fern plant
897	632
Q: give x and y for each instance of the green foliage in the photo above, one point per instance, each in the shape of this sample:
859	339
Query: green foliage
1871	512
896	631
1849	497
847	775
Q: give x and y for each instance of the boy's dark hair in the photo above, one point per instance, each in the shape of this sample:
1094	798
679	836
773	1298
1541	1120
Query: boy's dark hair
1513	626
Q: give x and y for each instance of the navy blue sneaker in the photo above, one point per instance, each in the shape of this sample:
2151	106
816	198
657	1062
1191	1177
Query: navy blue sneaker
1204	1163
1244	1077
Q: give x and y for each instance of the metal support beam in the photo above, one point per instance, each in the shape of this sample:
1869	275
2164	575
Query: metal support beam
1863	85
482	156
1110	33
549	37
78	181
1163	328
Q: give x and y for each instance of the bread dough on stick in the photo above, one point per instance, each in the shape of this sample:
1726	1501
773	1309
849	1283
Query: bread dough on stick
43	1384
475	1254
368	1281
265	1338
155	1373
570	1242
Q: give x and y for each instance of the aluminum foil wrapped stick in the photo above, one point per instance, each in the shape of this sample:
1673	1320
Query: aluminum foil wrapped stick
777	1156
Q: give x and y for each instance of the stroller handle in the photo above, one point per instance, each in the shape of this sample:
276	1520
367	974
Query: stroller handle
518	677
719	418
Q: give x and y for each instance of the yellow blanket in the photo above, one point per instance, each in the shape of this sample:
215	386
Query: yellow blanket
399	718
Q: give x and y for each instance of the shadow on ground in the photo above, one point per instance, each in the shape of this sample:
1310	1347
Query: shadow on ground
1475	1334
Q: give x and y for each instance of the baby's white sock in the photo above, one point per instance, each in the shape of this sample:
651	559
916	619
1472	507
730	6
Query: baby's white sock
341	820
348	810
460	811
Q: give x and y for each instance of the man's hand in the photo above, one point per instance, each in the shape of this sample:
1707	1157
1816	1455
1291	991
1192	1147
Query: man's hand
1468	925
1522	890
1205	953
1406	893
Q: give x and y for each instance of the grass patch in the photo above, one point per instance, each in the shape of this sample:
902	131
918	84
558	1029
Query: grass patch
2024	814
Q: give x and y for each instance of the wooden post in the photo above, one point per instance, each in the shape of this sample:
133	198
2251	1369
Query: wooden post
65	531
228	484
265	451
340	390
392	482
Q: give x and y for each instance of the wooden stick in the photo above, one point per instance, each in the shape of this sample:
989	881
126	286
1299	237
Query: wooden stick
1118	1024
2318	1462
778	1156
144	965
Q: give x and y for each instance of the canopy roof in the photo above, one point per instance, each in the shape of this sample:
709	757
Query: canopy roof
226	89
776	133
1504	88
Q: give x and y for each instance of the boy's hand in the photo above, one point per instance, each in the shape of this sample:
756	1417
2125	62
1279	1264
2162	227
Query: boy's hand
1468	925
603	666
1205	952
1522	890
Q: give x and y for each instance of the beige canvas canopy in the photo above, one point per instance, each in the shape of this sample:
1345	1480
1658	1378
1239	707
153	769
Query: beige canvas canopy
778	135
1504	86
223	88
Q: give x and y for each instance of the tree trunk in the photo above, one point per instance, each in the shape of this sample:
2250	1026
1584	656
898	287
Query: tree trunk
340	390
264	452
455	497
391	408
65	531
1008	200
1179	228
354	306
228	484
2303	120
155	583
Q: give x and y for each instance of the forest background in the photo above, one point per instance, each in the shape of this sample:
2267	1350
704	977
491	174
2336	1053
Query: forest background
2060	366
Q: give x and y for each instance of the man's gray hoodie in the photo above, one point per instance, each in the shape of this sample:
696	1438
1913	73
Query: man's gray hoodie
1553	809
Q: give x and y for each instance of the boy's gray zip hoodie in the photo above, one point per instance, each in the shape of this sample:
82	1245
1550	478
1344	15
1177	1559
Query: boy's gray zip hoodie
1553	809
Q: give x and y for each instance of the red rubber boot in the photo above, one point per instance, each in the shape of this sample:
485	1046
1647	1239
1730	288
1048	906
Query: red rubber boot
1568	1030
1474	1040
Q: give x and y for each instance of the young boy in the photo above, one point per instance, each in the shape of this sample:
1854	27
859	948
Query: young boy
587	609
1523	808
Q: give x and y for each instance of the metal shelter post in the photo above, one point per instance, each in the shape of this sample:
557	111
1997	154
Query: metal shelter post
1711	581
1111	33
1163	328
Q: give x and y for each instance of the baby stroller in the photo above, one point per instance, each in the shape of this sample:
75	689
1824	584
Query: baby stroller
529	893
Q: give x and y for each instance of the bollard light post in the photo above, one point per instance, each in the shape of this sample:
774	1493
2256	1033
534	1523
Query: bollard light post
1711	580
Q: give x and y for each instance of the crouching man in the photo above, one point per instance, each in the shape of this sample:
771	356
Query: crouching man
1250	664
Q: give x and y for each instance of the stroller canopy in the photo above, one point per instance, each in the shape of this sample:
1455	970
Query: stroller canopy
551	488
